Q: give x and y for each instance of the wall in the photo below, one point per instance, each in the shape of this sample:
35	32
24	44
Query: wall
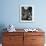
10	13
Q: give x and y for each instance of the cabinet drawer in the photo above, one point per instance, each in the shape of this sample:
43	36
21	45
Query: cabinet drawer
34	33
27	41
13	33
37	44
37	39
20	44
12	39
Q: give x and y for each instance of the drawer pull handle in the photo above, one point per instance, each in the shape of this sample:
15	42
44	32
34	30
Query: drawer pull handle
33	39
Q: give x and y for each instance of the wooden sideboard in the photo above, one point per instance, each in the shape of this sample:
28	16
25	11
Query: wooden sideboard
23	39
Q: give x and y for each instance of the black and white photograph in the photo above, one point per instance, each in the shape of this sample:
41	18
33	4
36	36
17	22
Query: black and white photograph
26	13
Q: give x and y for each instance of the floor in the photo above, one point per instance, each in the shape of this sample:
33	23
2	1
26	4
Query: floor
0	44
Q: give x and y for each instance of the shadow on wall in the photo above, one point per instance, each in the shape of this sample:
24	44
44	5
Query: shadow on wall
2	26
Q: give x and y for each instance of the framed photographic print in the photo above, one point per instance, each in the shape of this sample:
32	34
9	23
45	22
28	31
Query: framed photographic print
26	13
